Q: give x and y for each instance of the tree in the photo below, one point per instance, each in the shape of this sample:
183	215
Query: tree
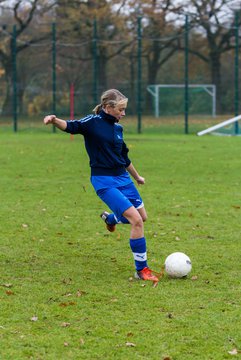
102	26
159	34
21	15
214	21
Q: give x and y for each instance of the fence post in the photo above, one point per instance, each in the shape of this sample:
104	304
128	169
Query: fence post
236	97
139	74
71	96
95	63
186	100
14	79
54	70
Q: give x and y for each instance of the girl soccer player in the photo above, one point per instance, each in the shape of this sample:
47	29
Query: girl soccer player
110	171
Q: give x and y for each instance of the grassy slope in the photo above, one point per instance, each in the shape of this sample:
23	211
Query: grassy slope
60	265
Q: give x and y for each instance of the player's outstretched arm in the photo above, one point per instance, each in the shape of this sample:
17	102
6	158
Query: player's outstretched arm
52	119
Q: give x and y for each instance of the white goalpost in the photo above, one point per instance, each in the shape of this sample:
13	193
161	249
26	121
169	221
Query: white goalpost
154	90
220	125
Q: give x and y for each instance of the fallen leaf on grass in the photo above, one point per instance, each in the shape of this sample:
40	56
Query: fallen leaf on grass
130	344
66	344
129	334
65	324
69	303
80	293
34	318
194	277
234	352
9	292
7	285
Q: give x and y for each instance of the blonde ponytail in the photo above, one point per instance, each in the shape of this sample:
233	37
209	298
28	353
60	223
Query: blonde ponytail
97	109
110	97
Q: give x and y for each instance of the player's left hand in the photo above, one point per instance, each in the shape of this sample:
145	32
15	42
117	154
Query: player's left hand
140	180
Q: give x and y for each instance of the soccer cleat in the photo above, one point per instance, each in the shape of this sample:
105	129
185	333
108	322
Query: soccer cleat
146	274
104	216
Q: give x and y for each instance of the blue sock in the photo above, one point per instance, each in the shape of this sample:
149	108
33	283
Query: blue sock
138	247
123	220
111	219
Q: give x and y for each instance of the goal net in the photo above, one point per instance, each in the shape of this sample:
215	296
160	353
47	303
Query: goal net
168	99
227	127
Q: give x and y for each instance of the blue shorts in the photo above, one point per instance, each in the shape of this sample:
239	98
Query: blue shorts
121	198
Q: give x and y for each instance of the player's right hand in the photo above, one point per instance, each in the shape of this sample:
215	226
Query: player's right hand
49	119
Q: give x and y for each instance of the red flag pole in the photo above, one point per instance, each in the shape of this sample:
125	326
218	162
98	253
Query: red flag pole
71	96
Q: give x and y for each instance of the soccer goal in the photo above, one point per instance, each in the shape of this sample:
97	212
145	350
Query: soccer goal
227	127
167	100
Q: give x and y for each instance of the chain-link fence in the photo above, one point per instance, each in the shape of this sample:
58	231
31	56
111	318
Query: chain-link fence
66	76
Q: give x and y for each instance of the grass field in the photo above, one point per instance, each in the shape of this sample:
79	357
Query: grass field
67	288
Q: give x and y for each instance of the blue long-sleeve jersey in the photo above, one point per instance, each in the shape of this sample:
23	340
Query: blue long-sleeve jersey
104	143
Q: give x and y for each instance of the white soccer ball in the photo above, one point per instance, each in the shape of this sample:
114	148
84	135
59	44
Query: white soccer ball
178	265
